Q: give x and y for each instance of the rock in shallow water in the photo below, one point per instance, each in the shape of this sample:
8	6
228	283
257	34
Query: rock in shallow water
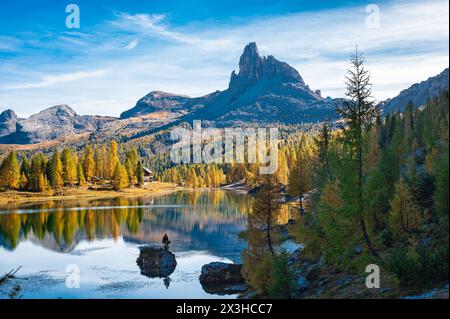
221	273
156	262
222	278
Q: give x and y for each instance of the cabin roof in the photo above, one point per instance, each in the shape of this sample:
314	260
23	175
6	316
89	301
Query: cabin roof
148	170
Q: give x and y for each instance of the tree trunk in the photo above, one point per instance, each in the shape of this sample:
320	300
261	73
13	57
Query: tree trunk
362	223
402	220
300	186
301	204
269	237
269	218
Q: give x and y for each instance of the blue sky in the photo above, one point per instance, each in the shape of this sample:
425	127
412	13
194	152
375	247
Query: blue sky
127	48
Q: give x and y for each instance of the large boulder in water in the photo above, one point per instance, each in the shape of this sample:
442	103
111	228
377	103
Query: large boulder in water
156	262
221	273
222	278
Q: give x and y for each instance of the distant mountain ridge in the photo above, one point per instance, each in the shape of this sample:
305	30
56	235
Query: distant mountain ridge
264	90
418	93
54	122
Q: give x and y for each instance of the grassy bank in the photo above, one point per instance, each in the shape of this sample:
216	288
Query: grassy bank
92	191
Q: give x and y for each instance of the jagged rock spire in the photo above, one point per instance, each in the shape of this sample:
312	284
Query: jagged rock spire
253	68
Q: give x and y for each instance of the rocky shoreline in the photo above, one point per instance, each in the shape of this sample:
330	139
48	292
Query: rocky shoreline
314	279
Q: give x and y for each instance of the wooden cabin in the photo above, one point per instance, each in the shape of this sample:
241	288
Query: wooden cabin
148	175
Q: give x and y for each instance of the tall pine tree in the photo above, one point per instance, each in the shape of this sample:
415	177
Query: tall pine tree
358	111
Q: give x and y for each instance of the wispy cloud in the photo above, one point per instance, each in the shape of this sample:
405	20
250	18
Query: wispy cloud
50	80
8	44
154	25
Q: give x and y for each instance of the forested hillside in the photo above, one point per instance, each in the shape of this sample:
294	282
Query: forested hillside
378	195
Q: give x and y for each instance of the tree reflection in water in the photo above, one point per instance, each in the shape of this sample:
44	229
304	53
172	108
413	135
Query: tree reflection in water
193	220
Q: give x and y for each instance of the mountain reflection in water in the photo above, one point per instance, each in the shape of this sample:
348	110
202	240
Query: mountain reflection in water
207	220
102	237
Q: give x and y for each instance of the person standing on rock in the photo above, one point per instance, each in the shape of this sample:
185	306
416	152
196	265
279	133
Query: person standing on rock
166	241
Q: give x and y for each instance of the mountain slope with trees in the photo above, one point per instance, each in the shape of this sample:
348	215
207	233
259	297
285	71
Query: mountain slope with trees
418	94
380	197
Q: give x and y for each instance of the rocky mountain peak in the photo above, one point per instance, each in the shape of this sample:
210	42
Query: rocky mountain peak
156	101
8	120
264	89
49	124
61	111
7	115
251	49
250	63
253	68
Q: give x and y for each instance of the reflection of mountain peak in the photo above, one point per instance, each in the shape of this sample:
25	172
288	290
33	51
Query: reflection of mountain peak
5	243
49	242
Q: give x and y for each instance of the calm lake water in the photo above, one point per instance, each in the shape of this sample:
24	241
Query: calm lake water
101	239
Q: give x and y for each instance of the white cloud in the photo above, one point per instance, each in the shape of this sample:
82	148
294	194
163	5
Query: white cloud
153	25
50	80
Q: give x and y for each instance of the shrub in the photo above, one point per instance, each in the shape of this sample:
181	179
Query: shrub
420	266
282	278
387	238
257	270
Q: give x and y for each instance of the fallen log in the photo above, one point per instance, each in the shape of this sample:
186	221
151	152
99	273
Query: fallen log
9	275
